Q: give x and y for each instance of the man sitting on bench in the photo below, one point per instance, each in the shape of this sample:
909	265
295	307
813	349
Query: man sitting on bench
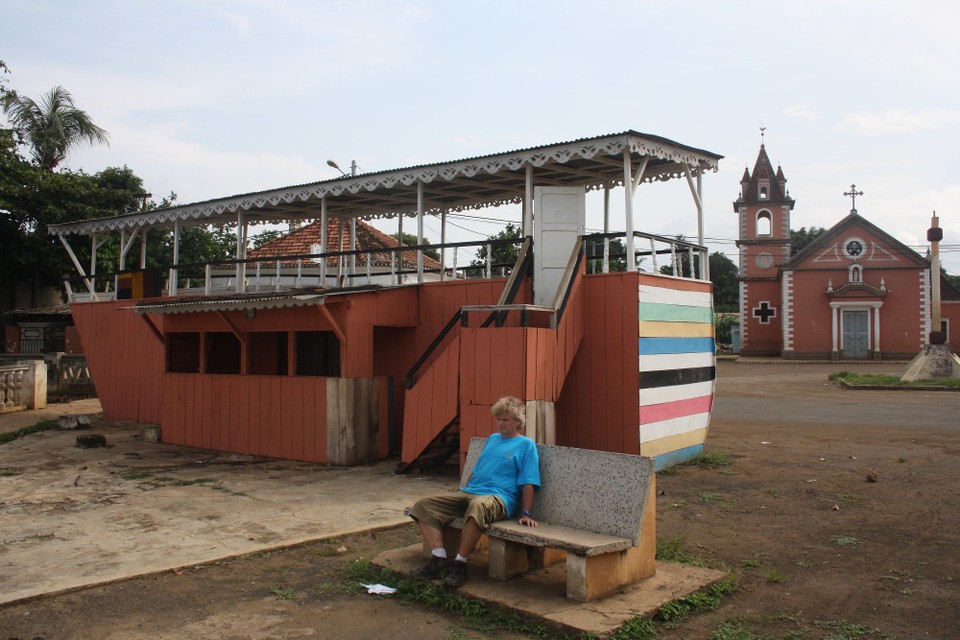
504	477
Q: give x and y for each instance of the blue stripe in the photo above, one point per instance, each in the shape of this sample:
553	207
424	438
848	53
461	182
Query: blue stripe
653	346
679	456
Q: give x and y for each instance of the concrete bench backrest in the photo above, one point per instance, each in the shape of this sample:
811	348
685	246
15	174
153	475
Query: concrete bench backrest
596	491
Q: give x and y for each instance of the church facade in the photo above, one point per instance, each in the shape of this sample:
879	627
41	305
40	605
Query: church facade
855	292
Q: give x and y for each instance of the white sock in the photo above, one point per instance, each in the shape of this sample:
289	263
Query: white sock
440	553
460	558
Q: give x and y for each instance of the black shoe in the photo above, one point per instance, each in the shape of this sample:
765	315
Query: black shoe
433	570
456	574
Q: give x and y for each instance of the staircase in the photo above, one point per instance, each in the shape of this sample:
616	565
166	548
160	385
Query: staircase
528	361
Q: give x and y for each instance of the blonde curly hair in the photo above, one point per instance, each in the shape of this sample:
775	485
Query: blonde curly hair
512	407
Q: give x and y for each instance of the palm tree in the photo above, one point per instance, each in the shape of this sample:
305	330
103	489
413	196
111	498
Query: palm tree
53	127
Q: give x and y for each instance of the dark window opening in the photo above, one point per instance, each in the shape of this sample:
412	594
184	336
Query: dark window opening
223	353
183	352
318	353
267	353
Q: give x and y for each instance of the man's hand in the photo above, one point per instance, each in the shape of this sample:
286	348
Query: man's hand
528	521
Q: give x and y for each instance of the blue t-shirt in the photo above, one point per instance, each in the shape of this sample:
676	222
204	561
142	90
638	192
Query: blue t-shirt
504	466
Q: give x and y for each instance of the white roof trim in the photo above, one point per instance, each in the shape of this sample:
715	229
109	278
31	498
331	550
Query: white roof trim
460	185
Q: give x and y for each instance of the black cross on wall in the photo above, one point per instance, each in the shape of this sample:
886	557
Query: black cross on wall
765	312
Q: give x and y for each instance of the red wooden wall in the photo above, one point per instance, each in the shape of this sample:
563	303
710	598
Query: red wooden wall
597	408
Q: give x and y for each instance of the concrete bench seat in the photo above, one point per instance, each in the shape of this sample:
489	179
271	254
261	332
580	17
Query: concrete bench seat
596	510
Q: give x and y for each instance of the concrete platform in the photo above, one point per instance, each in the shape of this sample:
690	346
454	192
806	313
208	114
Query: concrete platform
542	594
72	517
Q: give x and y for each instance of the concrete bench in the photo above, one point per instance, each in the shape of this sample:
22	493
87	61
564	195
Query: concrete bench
596	510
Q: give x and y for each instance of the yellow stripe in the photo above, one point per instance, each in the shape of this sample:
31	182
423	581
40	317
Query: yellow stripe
649	329
655	448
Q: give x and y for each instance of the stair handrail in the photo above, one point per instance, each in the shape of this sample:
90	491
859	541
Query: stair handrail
510	289
570	275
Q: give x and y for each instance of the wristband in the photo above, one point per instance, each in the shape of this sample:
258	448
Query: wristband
526	513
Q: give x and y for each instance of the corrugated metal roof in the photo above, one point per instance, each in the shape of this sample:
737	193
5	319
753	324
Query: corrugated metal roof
241	302
469	183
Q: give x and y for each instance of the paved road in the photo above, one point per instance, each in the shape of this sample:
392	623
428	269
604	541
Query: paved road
745	391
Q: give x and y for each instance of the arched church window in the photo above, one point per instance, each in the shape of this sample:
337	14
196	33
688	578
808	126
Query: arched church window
764	223
763	193
856	273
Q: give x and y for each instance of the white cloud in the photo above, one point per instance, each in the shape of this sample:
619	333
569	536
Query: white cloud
802	111
898	121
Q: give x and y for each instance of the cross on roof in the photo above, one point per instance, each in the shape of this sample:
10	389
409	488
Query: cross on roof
853	193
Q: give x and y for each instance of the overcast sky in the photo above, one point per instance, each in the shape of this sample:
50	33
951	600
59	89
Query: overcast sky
214	98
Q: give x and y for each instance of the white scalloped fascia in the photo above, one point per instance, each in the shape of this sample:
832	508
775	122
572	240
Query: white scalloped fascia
214	212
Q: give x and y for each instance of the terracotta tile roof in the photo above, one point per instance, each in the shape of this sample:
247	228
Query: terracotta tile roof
301	241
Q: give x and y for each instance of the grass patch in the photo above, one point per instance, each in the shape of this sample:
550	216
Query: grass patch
712	459
480	616
671	550
488	619
774	575
284	593
710	497
886	380
844	630
45	425
734	631
845	541
6	473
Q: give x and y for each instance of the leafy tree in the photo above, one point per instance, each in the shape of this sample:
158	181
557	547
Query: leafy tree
52	127
410	240
501	255
266	237
799	239
726	288
594	252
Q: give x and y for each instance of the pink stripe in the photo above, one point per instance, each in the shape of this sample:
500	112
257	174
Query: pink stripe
675	409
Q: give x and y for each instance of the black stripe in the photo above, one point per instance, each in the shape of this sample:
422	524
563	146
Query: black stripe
674	377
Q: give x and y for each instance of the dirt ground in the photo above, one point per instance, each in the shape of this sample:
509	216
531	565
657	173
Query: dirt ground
838	514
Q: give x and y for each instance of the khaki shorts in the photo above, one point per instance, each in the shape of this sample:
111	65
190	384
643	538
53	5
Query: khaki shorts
438	511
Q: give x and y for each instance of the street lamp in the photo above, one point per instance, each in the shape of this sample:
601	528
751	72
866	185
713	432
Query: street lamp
353	167
353	226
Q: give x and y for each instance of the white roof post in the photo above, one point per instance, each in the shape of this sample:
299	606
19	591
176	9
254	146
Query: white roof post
143	248
628	208
419	231
76	263
399	254
353	247
240	271
323	240
443	241
528	202
172	284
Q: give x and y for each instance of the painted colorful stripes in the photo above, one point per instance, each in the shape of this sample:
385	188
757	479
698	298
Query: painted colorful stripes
677	372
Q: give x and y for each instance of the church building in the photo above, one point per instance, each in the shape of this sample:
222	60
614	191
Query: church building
855	292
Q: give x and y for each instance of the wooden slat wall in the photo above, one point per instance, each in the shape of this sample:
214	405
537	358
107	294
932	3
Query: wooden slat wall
254	415
275	416
432	403
124	357
596	409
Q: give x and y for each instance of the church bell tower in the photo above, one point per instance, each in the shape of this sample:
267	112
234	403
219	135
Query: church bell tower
763	209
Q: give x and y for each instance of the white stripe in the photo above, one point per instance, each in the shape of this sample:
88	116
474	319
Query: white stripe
659	395
673	426
668	361
675	296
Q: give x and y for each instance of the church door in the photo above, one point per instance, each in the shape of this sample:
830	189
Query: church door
856	334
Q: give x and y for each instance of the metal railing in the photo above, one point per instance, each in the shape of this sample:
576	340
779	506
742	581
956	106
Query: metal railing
605	253
388	266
